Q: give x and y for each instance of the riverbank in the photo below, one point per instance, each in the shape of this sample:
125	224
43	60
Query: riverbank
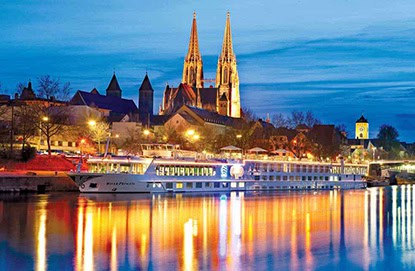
39	183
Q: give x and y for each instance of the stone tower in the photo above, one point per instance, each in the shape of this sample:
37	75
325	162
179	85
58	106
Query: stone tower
227	79
193	65
113	88
145	100
362	128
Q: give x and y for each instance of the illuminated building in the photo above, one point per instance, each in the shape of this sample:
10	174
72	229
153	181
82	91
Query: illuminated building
362	128
222	98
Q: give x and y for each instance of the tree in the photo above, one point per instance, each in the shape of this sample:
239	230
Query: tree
99	131
50	119
388	137
49	87
279	120
310	120
297	118
25	127
19	88
249	115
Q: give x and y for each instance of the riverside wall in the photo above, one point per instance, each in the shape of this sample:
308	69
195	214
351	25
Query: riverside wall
39	184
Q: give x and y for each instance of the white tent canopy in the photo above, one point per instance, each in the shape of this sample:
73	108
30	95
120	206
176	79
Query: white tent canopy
257	150
230	148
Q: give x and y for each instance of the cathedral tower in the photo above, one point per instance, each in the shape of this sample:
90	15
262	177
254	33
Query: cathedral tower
113	88
227	79
145	100
193	66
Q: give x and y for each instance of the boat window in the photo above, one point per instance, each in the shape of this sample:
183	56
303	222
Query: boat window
169	185
309	178
217	185
179	185
209	185
297	178
93	185
278	178
303	178
189	185
264	177
198	185
284	178
241	184
271	178
233	184
225	185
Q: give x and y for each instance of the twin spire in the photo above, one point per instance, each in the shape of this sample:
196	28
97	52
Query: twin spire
227	48
193	54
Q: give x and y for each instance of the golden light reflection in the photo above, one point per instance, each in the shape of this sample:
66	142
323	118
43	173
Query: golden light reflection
225	233
41	256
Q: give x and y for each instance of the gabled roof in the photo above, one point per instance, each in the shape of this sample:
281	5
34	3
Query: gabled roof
112	103
113	85
159	120
362	120
146	85
94	91
213	117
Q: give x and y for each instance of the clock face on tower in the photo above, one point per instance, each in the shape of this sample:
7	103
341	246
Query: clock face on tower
361	129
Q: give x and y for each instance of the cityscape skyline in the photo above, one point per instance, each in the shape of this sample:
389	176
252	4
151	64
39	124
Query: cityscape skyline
365	66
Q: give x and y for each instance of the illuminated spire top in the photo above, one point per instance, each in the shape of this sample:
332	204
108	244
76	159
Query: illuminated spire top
227	49
193	54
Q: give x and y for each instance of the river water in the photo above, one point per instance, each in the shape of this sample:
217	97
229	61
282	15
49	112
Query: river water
325	230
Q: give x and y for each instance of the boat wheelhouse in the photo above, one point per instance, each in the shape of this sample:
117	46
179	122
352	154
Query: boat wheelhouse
138	174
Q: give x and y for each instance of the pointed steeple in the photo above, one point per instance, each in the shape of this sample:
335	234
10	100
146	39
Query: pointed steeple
145	100
193	66
193	53
146	85
227	78
227	48
113	88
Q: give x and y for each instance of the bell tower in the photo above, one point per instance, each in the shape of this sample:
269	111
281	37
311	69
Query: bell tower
193	65
227	79
362	128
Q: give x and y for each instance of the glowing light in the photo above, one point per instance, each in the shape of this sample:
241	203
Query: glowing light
146	132
83	141
190	132
238	136
41	238
45	119
117	136
196	137
92	123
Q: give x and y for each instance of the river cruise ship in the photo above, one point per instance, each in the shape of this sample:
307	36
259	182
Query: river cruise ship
158	175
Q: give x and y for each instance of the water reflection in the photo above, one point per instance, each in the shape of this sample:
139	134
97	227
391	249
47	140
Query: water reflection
365	229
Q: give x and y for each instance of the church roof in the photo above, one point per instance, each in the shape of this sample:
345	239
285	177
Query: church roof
111	103
113	85
362	120
28	93
208	96
146	85
213	117
94	91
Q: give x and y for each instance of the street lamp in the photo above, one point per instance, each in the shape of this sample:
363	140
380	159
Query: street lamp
146	132
92	123
45	119
190	132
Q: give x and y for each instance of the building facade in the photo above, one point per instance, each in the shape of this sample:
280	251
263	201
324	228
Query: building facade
223	97
362	128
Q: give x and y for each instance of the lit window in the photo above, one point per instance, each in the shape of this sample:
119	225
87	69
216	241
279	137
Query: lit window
233	184
241	184
179	185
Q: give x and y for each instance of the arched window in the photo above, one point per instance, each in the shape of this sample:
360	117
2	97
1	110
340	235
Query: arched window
191	75
225	76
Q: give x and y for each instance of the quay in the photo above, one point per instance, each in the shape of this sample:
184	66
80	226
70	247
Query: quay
39	183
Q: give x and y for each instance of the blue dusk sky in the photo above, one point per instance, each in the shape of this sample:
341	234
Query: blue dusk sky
336	58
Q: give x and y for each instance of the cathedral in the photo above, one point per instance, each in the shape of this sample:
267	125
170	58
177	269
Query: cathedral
223	97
